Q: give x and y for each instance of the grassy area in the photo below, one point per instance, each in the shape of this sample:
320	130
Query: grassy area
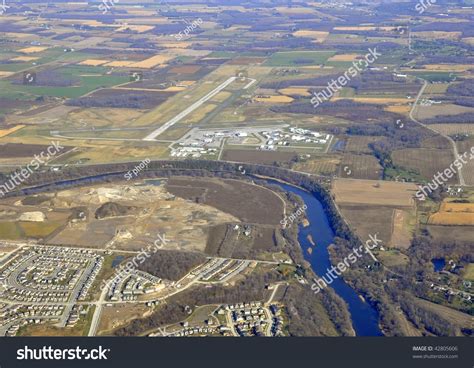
469	272
10	231
39	229
340	64
58	54
105	273
174	105
299	58
201	314
13	67
108	153
222	54
401	174
286	270
89	79
435	76
347	92
393	258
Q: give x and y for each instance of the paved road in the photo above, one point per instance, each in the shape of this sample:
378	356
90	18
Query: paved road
228	317
249	260
76	292
462	182
98	312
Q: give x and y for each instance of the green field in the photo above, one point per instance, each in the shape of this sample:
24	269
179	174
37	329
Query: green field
469	273
403	174
58	54
14	67
347	92
299	58
90	79
10	231
39	230
435	76
222	54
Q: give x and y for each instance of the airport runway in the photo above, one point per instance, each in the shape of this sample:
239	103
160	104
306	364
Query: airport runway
152	136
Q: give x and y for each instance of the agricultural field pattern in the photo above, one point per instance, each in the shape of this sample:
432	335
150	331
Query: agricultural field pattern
208	168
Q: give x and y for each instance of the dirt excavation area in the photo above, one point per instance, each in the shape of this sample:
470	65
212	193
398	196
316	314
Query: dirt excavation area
111	216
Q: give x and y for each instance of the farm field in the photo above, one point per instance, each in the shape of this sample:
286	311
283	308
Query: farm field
295	91
257	157
374	207
456	219
466	147
427	162
469	273
5	132
360	144
436	142
360	167
468	172
316	36
394	227
458	317
436	89
452	129
457	214
373	100
372	192
451	233
428	112
319	165
110	151
87	84
299	58
368	220
456	207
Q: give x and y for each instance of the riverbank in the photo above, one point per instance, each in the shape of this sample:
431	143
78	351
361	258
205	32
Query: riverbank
364	317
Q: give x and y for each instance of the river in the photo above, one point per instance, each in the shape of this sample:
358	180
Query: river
364	316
